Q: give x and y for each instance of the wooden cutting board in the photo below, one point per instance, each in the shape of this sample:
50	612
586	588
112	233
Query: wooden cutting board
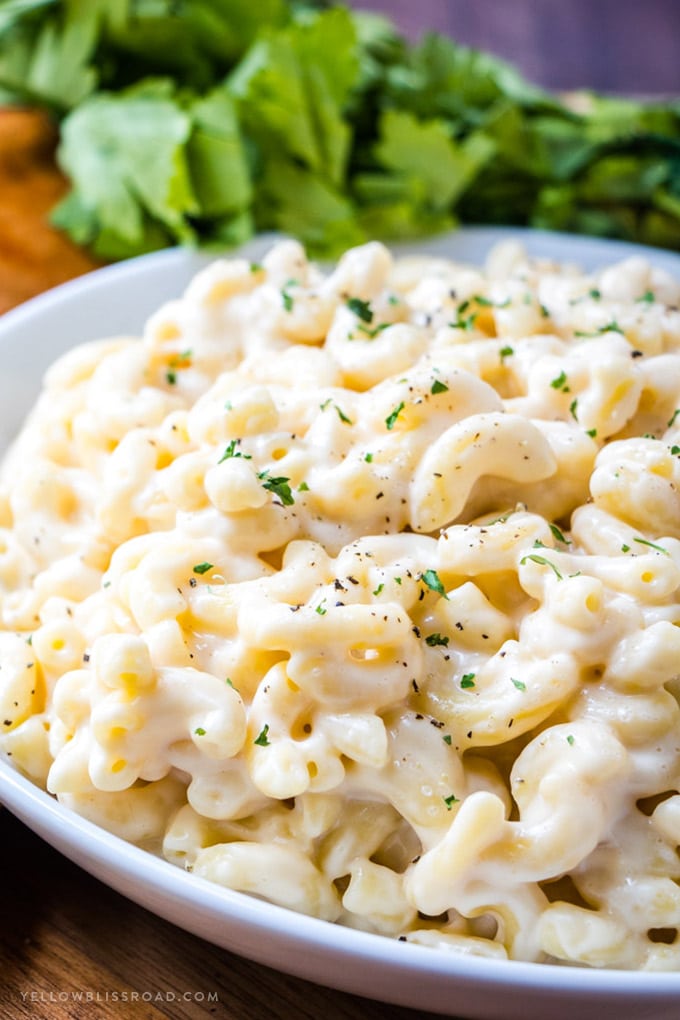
33	255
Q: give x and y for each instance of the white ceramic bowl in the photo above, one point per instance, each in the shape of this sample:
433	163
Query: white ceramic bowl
118	299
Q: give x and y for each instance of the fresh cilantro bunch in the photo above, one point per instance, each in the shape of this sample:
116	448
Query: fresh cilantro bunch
202	121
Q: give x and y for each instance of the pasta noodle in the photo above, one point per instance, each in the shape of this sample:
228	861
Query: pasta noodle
358	590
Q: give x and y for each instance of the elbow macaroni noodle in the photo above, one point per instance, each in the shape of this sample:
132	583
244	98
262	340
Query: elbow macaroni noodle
358	591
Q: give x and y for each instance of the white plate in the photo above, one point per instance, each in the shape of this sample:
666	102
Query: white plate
118	299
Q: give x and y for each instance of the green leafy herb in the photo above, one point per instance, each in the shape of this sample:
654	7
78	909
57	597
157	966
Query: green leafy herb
185	122
450	801
391	419
652	545
467	680
558	535
362	309
436	639
647	298
543	562
231	450
262	739
379	589
199	731
438	387
303	487
571	740
560	382
278	486
433	581
519	684
202	568
506	352
368	457
447	739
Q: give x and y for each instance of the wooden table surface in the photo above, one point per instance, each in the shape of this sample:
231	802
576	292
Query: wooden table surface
64	934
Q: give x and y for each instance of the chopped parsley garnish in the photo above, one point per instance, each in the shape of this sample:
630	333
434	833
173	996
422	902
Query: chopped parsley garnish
372	333
342	416
625	547
647	298
542	561
591	432
321	609
171	377
451	800
436	639
287	297
570	740
675	450
278	486
368	457
303	487
232	451
438	387
447	739
433	581
572	409
262	739
391	418
199	731
506	352
519	684
673	418
595	294
379	589
557	534
464	322
560	382
652	545
467	680
256	267
202	568
362	309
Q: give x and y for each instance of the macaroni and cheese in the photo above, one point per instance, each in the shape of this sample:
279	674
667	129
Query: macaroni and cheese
358	590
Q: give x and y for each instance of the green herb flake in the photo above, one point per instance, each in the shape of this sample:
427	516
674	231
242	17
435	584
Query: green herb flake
467	681
202	568
368	457
362	309
378	591
433	581
571	740
559	535
451	800
519	684
372	333
673	418
625	547
573	408
342	416
262	739
303	487
231	450
199	731
321	609
171	377
592	433
560	382
436	639
595	294
447	739
391	419
278	486
256	267
506	352
287	297
438	387
542	561
675	450
652	545
648	298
